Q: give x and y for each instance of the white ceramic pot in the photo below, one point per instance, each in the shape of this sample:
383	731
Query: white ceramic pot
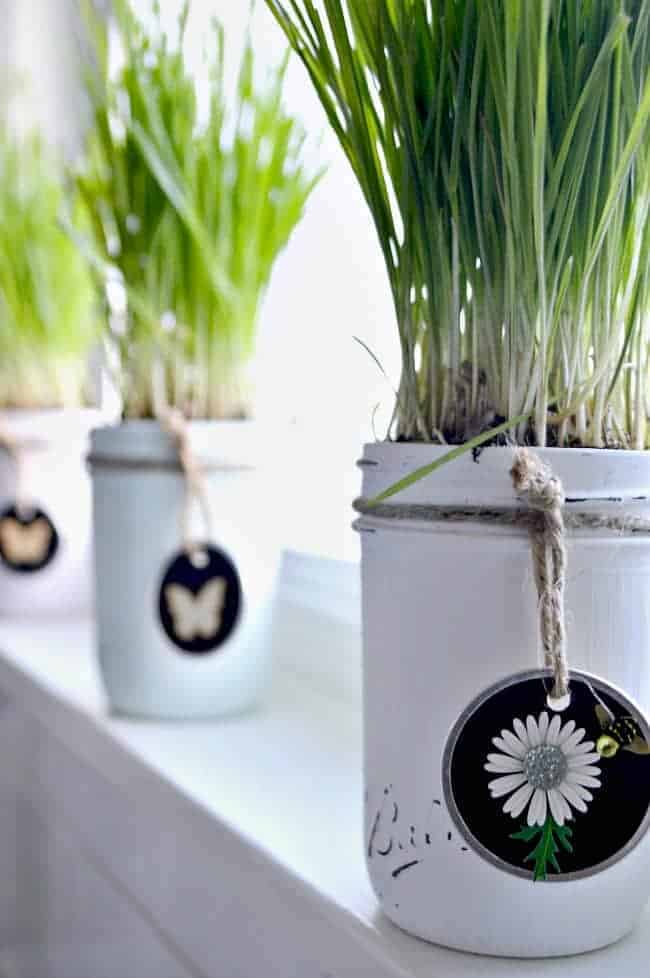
450	610
52	446
138	499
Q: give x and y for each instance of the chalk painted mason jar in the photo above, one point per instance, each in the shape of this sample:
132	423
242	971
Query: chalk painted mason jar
449	613
177	641
46	565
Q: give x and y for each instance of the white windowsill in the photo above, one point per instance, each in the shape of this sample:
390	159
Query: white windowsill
279	790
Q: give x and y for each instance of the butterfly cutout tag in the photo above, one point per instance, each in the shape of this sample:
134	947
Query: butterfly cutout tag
197	615
28	540
200	600
550	795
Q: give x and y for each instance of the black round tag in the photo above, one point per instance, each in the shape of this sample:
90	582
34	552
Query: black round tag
200	600
28	539
546	795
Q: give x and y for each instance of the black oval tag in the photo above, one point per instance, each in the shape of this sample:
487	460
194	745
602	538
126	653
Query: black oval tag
546	795
200	600
28	539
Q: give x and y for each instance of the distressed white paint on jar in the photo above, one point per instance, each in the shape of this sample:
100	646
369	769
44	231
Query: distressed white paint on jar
138	499
52	446
449	610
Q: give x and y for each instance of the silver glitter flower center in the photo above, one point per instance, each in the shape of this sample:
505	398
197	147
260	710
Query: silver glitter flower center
545	766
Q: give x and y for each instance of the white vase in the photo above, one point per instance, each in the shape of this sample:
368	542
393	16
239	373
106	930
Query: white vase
138	497
448	611
52	446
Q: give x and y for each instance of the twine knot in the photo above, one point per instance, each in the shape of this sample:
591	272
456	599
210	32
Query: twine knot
175	424
535	481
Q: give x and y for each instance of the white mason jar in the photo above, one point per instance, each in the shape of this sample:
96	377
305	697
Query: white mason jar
139	492
449	610
52	446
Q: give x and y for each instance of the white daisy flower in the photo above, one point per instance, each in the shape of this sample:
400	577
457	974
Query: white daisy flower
546	766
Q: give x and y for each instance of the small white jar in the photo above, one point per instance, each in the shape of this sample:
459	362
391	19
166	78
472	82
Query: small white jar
52	445
449	610
139	493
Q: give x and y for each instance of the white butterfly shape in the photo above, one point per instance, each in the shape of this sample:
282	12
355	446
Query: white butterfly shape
197	615
24	544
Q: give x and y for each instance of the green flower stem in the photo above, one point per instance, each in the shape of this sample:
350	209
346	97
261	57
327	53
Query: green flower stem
551	838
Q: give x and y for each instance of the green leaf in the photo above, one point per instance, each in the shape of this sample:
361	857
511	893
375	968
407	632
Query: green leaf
449	456
527	833
564	834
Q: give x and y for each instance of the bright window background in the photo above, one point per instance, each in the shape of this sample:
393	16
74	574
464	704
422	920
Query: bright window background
317	388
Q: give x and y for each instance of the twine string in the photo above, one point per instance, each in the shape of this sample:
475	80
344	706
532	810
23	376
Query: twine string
174	423
624	524
16	451
535	483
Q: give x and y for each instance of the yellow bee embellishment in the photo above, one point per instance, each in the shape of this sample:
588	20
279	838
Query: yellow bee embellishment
619	733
